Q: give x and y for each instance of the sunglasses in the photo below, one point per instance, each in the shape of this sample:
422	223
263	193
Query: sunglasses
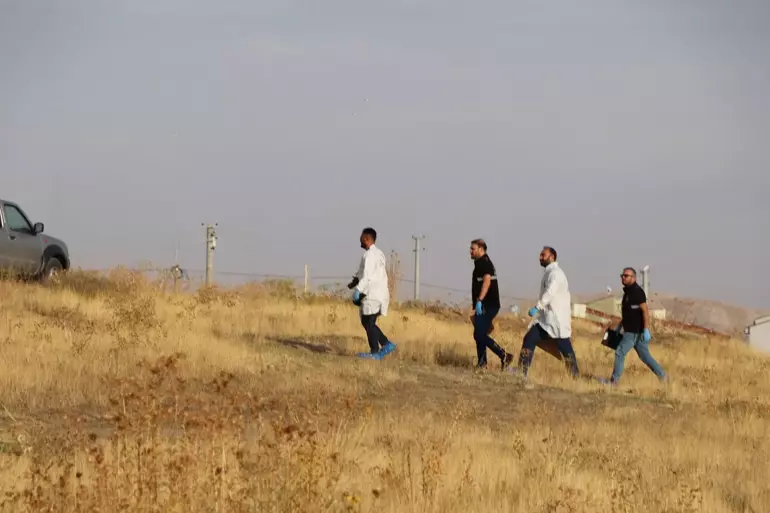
626	275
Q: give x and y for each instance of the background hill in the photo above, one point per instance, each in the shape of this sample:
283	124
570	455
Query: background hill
718	316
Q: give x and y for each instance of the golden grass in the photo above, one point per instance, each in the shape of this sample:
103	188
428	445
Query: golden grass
117	396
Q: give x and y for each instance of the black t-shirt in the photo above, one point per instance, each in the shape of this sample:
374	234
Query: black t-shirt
482	266
633	297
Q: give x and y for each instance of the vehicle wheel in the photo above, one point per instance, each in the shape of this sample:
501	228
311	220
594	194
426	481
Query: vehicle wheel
52	267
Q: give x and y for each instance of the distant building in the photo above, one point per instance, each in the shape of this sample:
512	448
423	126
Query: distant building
604	306
758	334
579	310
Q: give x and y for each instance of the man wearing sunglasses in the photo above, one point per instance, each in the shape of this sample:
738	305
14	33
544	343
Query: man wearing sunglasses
635	323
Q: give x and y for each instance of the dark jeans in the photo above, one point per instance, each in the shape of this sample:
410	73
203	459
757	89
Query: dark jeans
481	325
536	334
374	334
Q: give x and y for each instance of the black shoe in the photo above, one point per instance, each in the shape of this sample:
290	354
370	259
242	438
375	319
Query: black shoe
506	361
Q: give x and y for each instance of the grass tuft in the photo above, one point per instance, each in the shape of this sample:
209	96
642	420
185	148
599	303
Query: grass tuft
116	395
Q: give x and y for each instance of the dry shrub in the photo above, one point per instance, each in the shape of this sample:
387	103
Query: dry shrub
169	450
116	396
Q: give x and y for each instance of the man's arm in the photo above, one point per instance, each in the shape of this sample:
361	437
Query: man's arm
485	287
645	316
554	280
365	274
640	298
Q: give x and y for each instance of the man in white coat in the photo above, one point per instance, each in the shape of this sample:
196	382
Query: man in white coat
552	316
371	294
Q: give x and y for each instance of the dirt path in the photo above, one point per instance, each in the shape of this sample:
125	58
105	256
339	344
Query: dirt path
501	399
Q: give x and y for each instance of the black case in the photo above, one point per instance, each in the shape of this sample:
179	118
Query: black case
611	338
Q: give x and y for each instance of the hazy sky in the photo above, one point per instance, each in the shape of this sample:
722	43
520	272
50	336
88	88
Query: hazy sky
621	133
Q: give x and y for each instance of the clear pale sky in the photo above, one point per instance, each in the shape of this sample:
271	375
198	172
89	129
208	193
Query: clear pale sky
621	133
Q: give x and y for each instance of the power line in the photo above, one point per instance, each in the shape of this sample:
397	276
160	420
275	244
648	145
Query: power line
461	291
245	274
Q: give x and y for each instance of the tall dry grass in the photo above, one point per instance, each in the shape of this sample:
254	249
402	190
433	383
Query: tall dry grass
117	396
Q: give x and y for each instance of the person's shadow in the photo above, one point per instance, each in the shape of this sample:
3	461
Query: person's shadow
314	347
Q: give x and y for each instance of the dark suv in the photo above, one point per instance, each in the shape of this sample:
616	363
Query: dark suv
24	250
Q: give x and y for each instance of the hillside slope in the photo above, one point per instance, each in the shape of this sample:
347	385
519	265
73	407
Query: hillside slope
718	316
120	397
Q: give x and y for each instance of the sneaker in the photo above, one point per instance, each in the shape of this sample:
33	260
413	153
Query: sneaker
369	356
387	349
605	381
506	361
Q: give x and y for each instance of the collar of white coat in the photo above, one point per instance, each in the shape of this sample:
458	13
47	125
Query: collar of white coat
552	265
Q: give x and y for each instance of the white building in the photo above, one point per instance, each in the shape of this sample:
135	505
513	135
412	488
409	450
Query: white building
758	334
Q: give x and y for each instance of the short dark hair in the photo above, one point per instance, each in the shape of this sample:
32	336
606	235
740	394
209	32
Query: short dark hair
371	232
552	251
633	271
480	243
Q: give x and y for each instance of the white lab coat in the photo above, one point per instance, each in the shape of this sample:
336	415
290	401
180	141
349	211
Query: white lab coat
373	281
555	312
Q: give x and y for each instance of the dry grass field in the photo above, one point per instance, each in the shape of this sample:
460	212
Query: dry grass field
117	396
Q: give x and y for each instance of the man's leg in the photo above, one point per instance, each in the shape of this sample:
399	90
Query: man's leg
531	338
481	325
484	341
505	357
381	338
643	351
568	352
373	332
551	347
625	345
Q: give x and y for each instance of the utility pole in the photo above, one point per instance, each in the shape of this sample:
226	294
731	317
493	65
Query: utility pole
307	279
211	244
417	249
176	269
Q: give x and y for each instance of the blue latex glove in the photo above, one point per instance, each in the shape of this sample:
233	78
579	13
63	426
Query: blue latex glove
532	311
356	295
646	335
479	308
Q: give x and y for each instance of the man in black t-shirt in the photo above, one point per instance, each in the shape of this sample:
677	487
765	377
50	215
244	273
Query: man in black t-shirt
486	304
635	323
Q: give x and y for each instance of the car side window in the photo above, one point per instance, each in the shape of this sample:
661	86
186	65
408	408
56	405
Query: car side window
15	220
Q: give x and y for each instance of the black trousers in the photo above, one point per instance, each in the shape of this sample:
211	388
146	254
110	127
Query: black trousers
374	334
536	334
481	325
